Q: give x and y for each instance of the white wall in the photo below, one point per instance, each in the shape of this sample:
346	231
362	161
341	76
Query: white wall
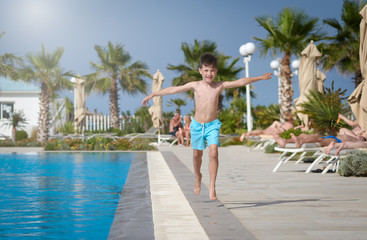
28	102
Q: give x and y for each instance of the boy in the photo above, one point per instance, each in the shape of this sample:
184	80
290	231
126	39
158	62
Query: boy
205	125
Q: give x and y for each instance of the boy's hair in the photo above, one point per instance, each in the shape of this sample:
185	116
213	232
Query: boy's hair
208	59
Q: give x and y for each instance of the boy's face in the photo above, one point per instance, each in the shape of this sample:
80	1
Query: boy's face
208	73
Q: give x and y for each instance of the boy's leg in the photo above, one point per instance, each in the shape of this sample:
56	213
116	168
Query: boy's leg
197	160
213	169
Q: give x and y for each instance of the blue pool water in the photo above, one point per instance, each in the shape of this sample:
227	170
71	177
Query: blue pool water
60	195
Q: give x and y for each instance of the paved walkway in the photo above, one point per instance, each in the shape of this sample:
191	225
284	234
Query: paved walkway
288	204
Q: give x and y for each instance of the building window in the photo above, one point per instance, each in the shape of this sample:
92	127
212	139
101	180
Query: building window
6	108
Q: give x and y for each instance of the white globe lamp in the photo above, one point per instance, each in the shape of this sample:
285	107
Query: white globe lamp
243	51
295	64
275	64
250	48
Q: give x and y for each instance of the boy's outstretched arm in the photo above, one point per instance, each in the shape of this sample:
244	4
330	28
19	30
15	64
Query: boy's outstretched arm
244	81
168	91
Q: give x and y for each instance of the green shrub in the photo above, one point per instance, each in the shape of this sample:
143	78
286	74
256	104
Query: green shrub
22	143
287	134
230	141
354	164
98	144
21	134
270	148
231	120
33	136
141	144
265	116
117	131
67	127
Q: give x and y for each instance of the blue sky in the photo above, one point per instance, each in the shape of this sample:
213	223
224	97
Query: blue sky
152	32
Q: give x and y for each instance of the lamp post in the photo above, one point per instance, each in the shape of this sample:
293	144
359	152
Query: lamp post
295	66
246	50
275	65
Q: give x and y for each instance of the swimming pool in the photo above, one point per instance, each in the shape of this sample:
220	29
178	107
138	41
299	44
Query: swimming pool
60	195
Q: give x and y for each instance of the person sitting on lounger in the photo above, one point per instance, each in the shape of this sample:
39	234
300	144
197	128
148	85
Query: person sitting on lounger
358	137
174	125
356	128
275	128
186	130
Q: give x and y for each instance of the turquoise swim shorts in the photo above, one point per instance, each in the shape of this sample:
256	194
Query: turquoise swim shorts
201	132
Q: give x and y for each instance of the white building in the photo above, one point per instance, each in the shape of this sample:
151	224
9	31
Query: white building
15	96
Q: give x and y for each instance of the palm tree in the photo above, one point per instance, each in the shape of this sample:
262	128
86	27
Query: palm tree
17	120
178	102
7	62
115	68
189	70
323	109
143	114
287	34
44	69
69	109
342	52
265	116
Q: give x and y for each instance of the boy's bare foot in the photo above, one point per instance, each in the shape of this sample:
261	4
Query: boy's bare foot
197	187
329	148
339	148
279	140
296	140
212	193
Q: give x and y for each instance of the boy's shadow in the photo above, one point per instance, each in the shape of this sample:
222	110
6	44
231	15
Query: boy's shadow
261	204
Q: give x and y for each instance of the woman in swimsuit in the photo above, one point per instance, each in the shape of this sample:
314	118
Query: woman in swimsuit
187	120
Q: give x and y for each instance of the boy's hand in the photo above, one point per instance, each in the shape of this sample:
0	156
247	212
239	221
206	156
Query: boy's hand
266	76
145	100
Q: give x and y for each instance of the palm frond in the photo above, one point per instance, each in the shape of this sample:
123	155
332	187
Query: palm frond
323	109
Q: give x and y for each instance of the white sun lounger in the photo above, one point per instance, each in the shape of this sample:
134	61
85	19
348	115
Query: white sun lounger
291	148
333	162
261	142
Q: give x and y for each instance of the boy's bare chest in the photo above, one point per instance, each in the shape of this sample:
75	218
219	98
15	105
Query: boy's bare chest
207	94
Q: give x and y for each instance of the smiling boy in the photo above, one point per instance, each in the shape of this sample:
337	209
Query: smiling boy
205	125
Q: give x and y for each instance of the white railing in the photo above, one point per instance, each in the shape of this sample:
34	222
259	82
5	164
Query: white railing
103	122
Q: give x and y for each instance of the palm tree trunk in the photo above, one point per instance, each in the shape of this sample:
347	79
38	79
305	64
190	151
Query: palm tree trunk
146	124
14	134
114	107
43	117
287	89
